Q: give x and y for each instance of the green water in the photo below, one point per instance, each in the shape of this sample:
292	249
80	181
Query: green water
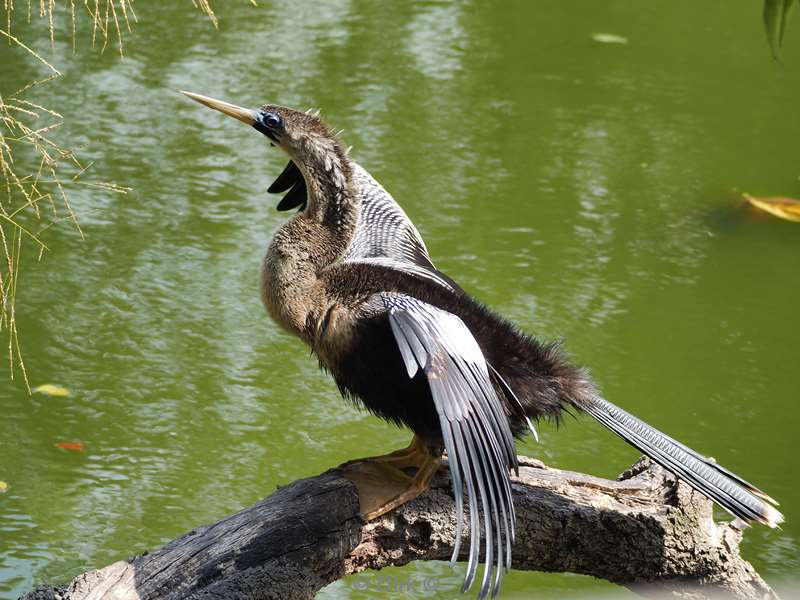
585	190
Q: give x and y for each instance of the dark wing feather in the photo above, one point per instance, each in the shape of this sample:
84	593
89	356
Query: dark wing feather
297	197
289	176
290	179
475	430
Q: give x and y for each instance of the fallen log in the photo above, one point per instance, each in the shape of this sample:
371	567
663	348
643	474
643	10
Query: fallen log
644	531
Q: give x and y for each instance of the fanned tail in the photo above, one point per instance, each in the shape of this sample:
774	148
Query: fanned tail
731	492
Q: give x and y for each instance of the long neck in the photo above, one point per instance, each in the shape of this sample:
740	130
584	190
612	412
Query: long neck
312	240
333	207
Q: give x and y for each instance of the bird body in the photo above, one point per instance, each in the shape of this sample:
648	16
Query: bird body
336	309
351	276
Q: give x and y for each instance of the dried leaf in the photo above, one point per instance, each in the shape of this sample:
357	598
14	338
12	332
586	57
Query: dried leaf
48	389
72	446
609	38
3	487
784	208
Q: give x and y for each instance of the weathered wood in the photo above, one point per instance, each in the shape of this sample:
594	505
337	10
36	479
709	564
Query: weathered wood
643	531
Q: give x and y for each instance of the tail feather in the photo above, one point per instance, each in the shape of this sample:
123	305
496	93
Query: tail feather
734	494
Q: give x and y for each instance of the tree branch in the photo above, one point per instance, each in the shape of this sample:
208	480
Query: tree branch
643	531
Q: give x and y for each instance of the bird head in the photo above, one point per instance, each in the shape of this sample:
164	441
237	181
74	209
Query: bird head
290	130
301	135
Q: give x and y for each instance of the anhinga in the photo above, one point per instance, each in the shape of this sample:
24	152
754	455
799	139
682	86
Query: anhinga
350	275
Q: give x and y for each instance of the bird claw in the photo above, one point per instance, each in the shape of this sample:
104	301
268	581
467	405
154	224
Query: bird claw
383	485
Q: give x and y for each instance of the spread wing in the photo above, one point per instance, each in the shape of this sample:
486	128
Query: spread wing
384	231
475	429
477	437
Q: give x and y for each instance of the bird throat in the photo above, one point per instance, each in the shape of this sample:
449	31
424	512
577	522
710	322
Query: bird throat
312	240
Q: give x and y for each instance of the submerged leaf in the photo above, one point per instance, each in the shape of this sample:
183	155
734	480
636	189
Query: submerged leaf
784	208
71	446
48	389
3	487
609	38
776	13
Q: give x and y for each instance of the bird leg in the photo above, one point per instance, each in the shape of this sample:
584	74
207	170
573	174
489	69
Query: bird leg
383	485
402	458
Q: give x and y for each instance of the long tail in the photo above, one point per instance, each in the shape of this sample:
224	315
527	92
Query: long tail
731	492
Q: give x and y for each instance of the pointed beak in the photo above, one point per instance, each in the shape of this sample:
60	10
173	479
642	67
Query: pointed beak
245	115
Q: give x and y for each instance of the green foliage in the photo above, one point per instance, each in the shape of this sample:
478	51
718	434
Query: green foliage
37	172
776	14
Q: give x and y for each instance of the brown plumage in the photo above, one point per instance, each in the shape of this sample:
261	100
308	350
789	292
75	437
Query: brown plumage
350	275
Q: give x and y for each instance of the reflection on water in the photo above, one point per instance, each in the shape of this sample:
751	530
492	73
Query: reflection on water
583	190
435	40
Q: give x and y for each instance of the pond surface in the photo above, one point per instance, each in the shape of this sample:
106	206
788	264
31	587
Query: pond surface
588	191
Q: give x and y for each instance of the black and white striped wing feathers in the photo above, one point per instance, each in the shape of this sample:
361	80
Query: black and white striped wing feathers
477	437
384	230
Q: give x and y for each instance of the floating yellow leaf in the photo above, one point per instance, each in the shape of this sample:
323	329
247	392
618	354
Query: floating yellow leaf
609	38
48	389
3	487
784	208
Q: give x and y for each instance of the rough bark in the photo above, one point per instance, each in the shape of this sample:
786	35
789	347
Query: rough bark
642	531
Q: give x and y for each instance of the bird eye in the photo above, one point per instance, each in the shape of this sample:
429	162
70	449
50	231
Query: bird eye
271	121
